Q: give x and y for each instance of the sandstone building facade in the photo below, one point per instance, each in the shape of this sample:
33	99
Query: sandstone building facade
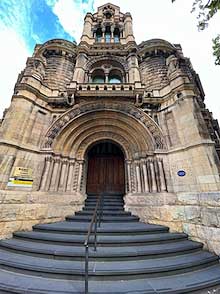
110	115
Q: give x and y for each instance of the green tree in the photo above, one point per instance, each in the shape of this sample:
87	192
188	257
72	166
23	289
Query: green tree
205	11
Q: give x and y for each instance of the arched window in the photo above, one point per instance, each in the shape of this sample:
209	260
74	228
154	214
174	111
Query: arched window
98	77
115	77
116	35
98	35
106	71
107	34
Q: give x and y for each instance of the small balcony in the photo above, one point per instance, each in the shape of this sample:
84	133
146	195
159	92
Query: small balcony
106	89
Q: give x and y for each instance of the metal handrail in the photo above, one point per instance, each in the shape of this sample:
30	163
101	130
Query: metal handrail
96	220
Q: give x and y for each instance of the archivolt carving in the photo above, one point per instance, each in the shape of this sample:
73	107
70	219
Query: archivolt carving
125	108
108	59
103	136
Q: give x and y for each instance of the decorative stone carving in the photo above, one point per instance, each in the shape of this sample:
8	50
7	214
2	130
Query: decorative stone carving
128	109
173	64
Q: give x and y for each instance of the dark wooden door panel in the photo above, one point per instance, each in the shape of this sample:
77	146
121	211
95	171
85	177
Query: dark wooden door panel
105	174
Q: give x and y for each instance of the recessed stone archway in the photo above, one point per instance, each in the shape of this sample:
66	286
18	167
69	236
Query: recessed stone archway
135	117
70	136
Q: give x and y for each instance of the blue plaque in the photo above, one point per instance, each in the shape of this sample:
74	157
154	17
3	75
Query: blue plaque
181	173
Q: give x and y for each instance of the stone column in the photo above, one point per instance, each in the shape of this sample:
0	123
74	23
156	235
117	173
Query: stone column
103	34
87	28
66	176
79	70
162	176
106	78
128	27
80	175
62	175
69	185
45	174
129	176
138	176
89	78
133	68
50	172
112	33
154	185
54	184
146	186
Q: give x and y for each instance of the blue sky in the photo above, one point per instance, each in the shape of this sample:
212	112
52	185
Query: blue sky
36	21
23	23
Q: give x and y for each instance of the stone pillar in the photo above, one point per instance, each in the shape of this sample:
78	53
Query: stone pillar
138	176
106	78
133	68
45	174
80	175
69	185
154	185
79	70
55	175
50	172
112	33
162	176
66	176
89	78
62	175
103	34
129	176
146	186
87	29
128	28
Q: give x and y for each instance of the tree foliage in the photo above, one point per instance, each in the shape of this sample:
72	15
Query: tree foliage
205	10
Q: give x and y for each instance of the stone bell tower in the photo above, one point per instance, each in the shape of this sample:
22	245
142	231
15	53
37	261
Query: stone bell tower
108	25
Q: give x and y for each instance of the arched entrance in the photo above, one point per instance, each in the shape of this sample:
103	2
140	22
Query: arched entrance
106	171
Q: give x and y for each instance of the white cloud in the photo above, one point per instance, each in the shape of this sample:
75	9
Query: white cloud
13	55
71	15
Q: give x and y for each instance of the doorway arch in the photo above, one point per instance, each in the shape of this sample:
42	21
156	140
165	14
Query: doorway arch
106	169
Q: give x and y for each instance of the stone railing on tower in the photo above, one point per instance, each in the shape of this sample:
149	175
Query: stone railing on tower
130	90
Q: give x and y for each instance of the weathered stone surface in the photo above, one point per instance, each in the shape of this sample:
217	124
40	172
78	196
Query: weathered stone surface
20	211
198	215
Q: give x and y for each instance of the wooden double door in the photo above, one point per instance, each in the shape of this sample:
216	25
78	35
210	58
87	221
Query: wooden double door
106	174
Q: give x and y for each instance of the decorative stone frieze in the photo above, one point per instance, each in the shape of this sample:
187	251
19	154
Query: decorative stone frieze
136	113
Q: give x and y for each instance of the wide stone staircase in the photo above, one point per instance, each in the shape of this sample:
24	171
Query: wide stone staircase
132	257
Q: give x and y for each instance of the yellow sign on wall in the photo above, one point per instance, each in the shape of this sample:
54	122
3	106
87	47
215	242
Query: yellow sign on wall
23	172
21	177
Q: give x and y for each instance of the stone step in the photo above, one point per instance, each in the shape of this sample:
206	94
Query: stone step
104	213
105	206
105	253
106	202
104	218
119	240
147	267
106	197
13	282
111	208
124	228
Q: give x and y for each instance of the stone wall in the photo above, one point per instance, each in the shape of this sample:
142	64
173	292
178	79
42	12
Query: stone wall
59	72
21	210
154	73
197	214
